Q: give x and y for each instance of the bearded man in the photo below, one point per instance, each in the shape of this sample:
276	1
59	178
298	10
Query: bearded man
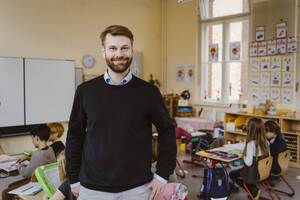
108	148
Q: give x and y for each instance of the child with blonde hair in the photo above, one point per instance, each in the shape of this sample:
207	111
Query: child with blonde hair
56	131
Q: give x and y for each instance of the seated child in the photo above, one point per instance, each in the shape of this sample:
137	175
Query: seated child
44	155
56	131
277	145
256	148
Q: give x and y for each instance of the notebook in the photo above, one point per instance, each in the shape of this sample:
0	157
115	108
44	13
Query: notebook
48	177
30	188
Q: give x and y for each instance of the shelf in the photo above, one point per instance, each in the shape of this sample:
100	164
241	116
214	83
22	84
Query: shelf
236	132
253	115
291	133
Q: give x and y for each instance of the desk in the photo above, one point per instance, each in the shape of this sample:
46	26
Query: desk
196	123
38	196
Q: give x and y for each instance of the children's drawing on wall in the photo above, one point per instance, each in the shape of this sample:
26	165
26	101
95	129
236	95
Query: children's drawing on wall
254	79
260	33
213	52
262	48
265	79
281	30
264	94
286	95
254	94
180	73
281	46
287	63
275	79
275	95
265	64
255	64
253	49
276	63
272	47
292	44
235	50
190	73
287	79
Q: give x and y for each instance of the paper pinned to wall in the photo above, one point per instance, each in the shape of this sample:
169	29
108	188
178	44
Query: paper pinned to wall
264	94
286	95
276	63
189	73
235	50
213	52
180	73
254	79
287	63
254	64
287	79
272	47
265	79
275	95
254	94
265	64
292	44
275	79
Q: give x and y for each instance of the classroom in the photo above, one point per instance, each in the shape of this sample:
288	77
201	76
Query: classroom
217	79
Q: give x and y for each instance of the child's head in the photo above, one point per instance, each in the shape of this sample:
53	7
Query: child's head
40	135
272	129
256	132
56	130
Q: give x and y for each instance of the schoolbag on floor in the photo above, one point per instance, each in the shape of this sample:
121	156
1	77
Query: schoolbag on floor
215	184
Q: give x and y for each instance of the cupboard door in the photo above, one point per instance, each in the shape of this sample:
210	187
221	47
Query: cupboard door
49	90
11	92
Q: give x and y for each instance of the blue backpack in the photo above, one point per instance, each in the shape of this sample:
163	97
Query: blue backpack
216	184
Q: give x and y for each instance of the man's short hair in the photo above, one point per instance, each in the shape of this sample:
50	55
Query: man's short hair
56	128
42	131
116	30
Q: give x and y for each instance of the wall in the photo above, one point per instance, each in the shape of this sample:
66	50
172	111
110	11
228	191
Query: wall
69	29
182	40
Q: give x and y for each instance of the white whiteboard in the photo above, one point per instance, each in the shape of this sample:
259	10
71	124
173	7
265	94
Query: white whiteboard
11	92
49	90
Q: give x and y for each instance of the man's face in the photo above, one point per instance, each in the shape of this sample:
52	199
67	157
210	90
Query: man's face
117	52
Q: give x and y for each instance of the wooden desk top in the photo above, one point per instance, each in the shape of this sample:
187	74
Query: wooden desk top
214	157
38	196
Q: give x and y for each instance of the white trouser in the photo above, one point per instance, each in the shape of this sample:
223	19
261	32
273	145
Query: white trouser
138	193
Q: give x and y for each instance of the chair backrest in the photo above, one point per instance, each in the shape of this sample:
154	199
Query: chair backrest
264	167
283	160
61	159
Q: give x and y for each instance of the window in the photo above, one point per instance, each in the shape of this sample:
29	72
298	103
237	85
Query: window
224	23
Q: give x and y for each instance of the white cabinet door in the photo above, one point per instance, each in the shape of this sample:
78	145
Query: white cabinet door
49	90
11	92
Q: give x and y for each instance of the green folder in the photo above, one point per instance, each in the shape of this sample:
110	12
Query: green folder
48	177
28	153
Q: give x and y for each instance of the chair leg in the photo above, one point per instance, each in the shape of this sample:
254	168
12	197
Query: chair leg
290	187
271	188
182	175
268	187
247	189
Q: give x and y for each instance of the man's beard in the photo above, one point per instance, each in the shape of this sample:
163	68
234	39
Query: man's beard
119	68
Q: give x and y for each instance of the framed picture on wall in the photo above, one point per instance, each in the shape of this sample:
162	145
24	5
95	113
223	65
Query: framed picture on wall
259	33
253	49
281	46
281	29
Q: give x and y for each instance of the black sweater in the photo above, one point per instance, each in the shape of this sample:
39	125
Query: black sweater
110	134
278	146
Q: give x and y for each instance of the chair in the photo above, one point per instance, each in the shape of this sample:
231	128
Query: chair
264	169
283	161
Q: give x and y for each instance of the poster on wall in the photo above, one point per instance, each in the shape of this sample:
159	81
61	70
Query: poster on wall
286	95
213	52
272	47
260	33
287	63
254	94
189	73
262	48
275	79
281	46
265	79
287	79
253	49
254	64
265	64
281	29
276	63
180	73
254	79
292	44
275	95
235	50
264	94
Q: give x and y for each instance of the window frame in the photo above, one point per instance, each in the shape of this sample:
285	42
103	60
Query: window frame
225	21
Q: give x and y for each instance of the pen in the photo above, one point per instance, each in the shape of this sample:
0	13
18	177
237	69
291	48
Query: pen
27	189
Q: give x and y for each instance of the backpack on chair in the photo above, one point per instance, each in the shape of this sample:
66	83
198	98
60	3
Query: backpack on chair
215	184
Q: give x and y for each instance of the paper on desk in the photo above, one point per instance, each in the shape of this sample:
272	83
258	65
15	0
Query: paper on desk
8	159
11	165
28	189
198	133
237	146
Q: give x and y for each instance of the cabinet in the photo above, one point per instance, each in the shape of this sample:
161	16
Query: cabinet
171	102
290	129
